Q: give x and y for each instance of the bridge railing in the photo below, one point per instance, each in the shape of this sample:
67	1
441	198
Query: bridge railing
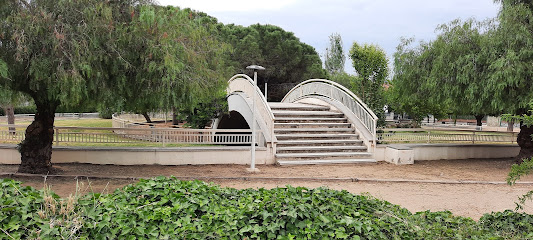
243	83
410	135
335	91
141	135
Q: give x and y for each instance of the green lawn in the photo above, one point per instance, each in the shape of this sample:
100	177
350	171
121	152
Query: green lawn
96	123
101	123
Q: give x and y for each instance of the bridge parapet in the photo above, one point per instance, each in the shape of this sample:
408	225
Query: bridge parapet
325	89
244	84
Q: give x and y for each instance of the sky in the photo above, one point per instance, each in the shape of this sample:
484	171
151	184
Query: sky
380	22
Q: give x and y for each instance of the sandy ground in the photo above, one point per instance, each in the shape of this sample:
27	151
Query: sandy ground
430	185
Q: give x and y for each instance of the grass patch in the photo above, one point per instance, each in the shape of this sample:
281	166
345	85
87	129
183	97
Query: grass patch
93	122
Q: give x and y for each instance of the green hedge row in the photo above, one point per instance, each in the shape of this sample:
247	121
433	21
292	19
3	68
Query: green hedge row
167	208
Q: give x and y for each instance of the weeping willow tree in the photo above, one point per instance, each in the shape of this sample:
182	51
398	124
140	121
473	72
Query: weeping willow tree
172	60
69	52
511	80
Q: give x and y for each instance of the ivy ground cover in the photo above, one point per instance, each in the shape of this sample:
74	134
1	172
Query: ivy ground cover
167	208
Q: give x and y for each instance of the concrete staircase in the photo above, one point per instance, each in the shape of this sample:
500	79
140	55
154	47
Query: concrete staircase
312	134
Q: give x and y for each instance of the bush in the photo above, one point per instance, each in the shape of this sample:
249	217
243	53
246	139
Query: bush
105	112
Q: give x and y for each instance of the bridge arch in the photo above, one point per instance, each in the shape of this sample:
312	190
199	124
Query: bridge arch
344	100
240	95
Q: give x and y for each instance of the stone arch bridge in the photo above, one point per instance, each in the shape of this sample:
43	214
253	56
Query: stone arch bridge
318	121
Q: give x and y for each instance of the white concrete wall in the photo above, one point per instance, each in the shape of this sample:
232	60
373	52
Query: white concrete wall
241	155
452	151
139	156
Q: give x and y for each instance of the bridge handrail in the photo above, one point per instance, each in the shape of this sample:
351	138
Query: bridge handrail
243	83
335	91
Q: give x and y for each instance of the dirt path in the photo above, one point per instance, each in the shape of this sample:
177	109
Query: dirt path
471	200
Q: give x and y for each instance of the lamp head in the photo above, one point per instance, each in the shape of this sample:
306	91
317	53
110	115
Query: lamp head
255	67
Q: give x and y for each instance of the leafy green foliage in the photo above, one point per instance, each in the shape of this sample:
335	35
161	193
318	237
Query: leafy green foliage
508	224
334	58
409	91
450	72
172	59
461	68
511	80
345	79
518	171
371	65
526	165
285	58
167	208
200	117
134	53
18	210
3	69
474	68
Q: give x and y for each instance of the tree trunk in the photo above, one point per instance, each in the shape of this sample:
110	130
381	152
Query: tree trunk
510	125
479	118
174	116
36	148
525	142
10	113
147	117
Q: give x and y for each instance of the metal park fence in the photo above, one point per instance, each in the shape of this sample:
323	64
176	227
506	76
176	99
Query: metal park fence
445	136
145	135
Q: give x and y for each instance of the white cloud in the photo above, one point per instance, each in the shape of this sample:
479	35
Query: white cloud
214	6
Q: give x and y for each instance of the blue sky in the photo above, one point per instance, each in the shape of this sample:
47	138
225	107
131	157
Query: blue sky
381	22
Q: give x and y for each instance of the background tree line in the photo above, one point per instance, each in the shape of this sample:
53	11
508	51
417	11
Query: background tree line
473	67
131	55
371	69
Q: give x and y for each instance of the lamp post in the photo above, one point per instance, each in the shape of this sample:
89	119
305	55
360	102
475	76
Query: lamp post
266	81
255	68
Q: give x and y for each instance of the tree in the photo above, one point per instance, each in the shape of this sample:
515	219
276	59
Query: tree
334	58
287	60
452	70
179	49
66	52
371	65
409	92
344	79
459	72
511	79
525	166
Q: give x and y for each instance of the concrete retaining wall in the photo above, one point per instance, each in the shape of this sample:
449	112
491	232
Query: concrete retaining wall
396	153
400	153
139	156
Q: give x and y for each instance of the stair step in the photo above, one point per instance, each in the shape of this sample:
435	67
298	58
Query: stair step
318	136
309	120
325	161
312	134
309	149
321	142
311	125
297	106
323	155
313	130
324	114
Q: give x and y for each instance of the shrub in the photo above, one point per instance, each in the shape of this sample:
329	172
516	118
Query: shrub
167	208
